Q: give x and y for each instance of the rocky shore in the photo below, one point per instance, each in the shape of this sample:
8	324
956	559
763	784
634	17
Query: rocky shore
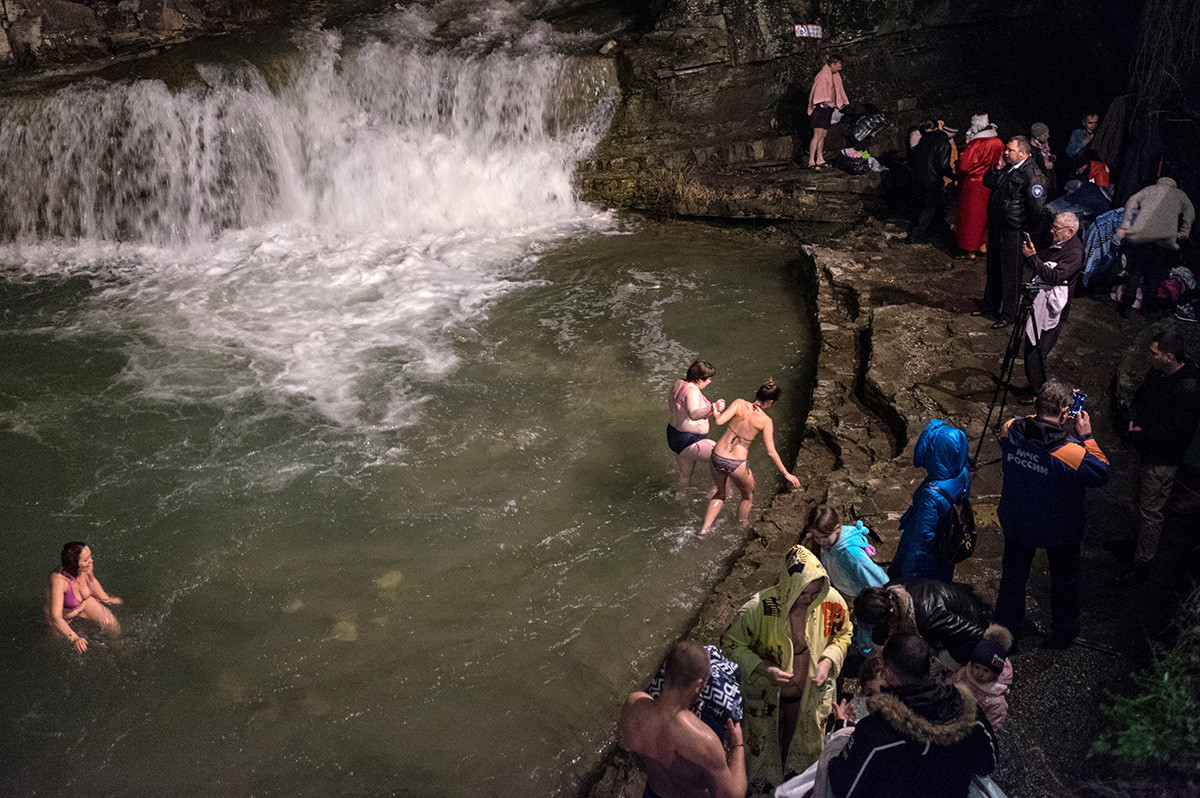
899	348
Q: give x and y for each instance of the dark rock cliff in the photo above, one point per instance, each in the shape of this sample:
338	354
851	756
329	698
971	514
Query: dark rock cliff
47	33
713	119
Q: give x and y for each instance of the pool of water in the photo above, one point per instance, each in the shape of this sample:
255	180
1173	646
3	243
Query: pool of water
360	409
453	602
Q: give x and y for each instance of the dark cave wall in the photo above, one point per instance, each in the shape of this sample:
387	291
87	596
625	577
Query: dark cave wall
721	69
44	33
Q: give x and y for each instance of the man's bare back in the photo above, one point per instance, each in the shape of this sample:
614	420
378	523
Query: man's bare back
682	757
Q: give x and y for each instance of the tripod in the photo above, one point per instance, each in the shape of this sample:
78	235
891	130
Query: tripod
1000	395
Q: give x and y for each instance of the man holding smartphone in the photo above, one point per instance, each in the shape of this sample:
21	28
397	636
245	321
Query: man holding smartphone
1056	270
1047	470
1017	203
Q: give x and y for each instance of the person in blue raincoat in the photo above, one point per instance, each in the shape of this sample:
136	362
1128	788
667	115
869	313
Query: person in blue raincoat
942	452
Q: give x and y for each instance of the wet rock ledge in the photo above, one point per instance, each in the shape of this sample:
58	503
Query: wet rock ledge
898	348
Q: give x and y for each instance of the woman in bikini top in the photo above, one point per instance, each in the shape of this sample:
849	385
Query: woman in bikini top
75	592
744	421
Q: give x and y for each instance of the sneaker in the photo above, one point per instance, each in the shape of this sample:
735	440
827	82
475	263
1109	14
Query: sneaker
1186	312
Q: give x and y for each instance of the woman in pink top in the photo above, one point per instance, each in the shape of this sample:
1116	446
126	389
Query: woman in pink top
75	592
826	95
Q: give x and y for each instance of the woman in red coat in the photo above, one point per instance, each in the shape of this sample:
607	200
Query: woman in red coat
983	150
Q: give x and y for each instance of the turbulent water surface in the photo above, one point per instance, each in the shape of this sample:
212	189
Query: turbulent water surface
361	412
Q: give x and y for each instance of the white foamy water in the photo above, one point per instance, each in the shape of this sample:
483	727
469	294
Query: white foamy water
317	240
360	415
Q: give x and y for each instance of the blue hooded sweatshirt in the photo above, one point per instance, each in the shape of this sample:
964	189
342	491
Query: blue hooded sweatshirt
848	562
942	452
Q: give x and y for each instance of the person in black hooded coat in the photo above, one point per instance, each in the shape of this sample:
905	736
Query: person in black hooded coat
925	740
929	163
951	618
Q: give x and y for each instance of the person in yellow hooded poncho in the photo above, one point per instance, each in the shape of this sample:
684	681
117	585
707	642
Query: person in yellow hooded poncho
789	642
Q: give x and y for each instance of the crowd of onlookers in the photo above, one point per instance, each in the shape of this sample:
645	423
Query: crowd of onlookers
763	712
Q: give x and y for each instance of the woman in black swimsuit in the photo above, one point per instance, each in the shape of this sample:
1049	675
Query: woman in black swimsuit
688	412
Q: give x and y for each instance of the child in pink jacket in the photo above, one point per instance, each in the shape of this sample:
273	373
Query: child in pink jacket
988	675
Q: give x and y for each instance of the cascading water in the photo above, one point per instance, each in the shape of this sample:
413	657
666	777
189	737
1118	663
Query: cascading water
327	229
360	411
364	136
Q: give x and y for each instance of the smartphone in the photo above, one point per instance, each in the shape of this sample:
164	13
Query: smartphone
1077	403
1028	240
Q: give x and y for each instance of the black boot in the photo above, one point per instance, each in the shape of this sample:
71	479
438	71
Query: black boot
1133	574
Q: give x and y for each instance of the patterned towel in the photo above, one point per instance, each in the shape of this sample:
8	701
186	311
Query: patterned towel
721	698
1100	245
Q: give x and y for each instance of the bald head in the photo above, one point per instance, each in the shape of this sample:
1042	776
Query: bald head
1065	225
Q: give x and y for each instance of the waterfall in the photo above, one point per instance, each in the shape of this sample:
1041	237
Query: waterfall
312	232
378	133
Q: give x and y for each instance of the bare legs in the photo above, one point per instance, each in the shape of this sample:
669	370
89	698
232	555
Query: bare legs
816	156
686	461
93	610
744	480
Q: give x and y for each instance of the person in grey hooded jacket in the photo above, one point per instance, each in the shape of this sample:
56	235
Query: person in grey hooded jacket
1156	219
942	452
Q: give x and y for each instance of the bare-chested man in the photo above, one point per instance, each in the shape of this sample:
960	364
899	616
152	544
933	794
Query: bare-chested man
743	420
681	755
688	412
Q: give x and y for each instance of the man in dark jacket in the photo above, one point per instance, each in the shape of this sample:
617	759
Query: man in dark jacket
1042	506
1056	271
1165	413
1016	205
929	163
925	739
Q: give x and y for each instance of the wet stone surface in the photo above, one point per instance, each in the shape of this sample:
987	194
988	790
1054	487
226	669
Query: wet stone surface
899	348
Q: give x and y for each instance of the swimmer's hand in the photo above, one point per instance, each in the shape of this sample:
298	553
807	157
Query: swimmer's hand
822	673
718	407
80	643
113	600
792	479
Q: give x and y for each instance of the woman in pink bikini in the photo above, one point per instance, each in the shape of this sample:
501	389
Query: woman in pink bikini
75	592
743	420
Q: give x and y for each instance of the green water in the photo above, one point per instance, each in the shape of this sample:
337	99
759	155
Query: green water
454	608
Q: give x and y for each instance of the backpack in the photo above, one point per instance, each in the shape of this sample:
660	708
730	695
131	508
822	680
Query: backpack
954	535
853	166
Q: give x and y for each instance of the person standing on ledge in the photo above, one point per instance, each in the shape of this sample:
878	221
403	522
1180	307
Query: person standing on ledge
744	421
688	412
826	96
1162	423
983	149
682	756
75	592
1042	506
1081	137
1016	206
